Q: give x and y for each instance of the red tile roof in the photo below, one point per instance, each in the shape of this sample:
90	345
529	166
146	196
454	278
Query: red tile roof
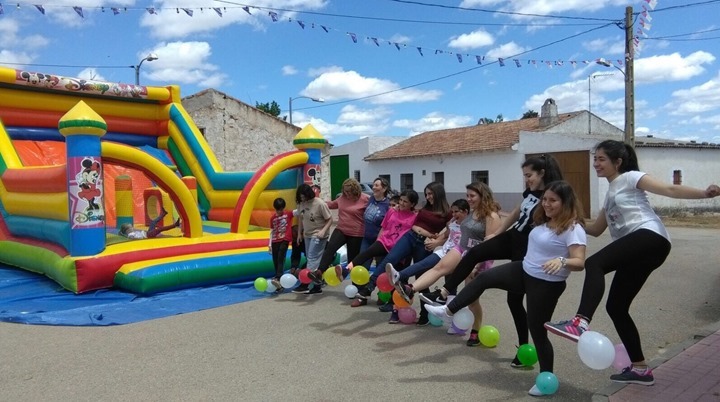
471	139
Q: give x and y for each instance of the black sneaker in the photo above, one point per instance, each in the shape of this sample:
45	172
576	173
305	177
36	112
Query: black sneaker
394	317
517	364
634	376
433	298
406	291
316	277
387	307
422	321
314	290
473	340
301	289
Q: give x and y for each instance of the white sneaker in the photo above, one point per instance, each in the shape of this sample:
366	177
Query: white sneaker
535	391
440	312
392	274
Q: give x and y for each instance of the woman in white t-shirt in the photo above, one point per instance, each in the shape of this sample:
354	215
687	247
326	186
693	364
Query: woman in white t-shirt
556	246
640	245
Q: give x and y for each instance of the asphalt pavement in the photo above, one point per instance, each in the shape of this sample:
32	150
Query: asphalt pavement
318	348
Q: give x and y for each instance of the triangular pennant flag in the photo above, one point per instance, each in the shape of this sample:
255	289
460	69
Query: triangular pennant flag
651	3
501	61
459	57
40	8
247	9
324	28
188	11
517	62
420	51
534	63
375	41
115	10
218	11
302	24
438	51
78	10
560	63
1	9
478	59
151	10
353	37
397	45
573	64
645	25
273	15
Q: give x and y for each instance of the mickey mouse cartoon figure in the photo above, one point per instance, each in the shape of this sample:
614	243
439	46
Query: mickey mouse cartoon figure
87	181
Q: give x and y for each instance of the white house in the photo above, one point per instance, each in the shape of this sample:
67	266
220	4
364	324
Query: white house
348	160
493	153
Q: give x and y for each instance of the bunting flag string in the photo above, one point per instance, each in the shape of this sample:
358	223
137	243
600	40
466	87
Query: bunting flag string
644	25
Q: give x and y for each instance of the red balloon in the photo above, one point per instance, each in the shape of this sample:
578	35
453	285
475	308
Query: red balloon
303	276
383	283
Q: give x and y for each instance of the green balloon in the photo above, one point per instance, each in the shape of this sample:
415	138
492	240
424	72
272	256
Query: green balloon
260	284
384	296
527	354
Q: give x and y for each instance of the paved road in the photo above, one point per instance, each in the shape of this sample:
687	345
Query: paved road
303	348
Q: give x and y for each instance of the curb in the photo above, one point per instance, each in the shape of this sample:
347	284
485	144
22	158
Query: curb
603	394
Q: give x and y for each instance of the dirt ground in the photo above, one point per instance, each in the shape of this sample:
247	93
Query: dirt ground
707	221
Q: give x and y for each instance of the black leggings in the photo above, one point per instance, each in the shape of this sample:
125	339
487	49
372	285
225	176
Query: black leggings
337	239
279	254
633	258
542	298
509	245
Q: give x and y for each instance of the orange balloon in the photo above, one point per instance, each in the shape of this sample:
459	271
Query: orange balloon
399	301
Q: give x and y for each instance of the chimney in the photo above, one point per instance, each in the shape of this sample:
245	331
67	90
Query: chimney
548	113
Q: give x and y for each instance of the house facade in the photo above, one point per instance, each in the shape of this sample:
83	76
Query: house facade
494	153
243	137
348	160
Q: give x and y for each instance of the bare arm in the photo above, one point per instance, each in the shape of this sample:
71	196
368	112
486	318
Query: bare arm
575	262
505	224
599	226
493	223
323	232
650	184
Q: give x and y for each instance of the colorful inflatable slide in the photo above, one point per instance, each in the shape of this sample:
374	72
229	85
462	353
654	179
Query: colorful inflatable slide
72	154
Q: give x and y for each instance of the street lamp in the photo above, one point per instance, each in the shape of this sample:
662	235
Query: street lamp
590	77
301	97
150	57
629	98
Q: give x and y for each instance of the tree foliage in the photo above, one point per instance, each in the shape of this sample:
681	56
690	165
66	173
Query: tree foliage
529	114
271	108
487	120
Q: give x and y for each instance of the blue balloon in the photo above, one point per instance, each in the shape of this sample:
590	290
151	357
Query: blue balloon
435	321
547	383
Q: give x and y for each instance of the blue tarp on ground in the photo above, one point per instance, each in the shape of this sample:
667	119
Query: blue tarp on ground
29	298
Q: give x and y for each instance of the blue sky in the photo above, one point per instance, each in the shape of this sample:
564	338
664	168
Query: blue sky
383	84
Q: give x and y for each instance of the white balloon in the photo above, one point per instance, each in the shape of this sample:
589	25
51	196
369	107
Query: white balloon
596	350
270	287
464	319
288	281
351	291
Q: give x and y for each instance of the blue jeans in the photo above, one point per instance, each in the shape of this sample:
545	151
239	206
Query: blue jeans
314	248
409	245
419	268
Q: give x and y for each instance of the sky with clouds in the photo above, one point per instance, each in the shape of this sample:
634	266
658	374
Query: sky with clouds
392	67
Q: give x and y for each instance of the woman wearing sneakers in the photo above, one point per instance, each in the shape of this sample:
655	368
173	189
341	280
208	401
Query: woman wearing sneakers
640	245
508	242
556	246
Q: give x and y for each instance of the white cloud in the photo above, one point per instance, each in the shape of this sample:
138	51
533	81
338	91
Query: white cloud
606	46
15	58
168	23
182	62
337	85
402	39
698	99
9	30
671	67
91	74
314	72
458	86
353	115
433	121
542	7
507	50
472	40
289	70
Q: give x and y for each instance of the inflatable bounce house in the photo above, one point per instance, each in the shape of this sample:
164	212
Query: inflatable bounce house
80	158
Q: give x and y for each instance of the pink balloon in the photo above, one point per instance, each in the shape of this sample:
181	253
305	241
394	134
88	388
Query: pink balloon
407	315
622	359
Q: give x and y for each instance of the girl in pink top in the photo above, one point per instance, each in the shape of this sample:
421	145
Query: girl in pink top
350	227
395	224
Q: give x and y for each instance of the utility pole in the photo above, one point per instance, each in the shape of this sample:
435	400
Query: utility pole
629	78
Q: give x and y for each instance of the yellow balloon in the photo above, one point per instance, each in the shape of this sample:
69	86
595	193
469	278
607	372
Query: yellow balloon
330	277
360	275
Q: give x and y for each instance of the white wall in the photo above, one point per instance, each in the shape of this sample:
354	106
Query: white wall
358	150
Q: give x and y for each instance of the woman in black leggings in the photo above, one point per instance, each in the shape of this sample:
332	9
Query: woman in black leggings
640	245
509	242
556	246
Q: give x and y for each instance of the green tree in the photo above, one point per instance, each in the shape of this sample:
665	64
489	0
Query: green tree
529	114
271	108
487	120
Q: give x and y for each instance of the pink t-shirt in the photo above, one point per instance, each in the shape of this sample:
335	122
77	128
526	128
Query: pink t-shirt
394	226
350	214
